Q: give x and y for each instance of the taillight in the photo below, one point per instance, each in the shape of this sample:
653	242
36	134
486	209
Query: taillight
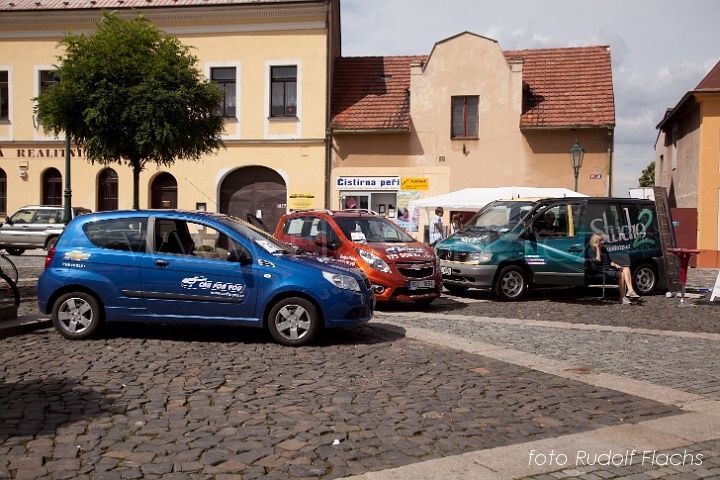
49	257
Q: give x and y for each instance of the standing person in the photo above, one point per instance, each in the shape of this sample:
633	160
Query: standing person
455	223
602	263
437	230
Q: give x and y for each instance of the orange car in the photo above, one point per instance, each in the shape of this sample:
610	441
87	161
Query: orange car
399	267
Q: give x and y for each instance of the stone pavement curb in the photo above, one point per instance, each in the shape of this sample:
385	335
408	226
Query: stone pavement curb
700	423
23	324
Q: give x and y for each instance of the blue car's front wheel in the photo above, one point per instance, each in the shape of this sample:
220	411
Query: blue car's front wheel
294	321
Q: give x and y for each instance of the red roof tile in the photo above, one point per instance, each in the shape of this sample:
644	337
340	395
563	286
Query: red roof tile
711	80
371	93
565	87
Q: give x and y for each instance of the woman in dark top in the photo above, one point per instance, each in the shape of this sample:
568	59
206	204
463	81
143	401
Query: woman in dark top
602	263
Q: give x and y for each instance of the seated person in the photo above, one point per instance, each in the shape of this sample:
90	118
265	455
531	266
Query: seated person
601	263
547	228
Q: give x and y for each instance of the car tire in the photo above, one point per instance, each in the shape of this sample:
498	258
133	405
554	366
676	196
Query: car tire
15	251
294	322
511	283
51	243
77	315
455	289
645	279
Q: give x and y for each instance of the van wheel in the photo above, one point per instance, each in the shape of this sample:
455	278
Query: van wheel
15	251
511	283
645	279
77	315
294	322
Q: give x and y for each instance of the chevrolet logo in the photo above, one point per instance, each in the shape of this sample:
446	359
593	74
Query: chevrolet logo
76	255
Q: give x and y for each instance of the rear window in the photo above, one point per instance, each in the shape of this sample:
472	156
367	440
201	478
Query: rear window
127	234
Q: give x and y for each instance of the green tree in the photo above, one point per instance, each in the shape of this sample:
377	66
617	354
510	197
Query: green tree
130	94
647	179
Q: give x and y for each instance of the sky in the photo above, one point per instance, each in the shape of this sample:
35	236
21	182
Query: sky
660	49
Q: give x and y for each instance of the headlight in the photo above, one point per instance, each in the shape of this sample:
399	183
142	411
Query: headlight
479	257
346	282
375	262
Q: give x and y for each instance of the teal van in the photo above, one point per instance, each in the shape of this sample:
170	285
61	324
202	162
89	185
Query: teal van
512	245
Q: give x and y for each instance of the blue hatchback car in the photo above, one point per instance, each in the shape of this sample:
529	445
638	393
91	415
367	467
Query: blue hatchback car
169	266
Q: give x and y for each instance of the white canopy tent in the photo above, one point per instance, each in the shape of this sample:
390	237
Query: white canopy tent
473	199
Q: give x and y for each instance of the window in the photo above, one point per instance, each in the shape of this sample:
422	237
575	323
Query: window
4	95
108	190
283	91
225	78
464	117
127	234
52	187
48	78
674	148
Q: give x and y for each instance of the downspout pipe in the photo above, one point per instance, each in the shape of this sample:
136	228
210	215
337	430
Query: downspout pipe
610	161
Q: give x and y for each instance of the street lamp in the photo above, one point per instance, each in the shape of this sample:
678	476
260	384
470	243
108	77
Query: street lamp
576	159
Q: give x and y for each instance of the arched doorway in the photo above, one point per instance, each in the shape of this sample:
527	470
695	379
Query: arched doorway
107	190
252	190
52	189
164	191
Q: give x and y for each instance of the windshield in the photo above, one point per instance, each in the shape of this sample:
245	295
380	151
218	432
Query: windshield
372	229
263	239
498	217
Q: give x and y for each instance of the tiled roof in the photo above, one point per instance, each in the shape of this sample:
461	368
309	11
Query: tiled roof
565	87
18	5
711	80
371	93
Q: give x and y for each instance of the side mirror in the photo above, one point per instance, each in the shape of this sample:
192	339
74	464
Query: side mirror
8	220
239	256
324	242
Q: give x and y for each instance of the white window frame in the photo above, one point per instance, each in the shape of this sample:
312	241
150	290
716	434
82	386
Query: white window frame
9	122
268	85
232	124
37	131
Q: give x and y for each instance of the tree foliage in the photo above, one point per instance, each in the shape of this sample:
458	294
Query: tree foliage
647	179
130	94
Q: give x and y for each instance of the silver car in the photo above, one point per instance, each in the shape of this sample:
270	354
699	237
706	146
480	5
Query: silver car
34	226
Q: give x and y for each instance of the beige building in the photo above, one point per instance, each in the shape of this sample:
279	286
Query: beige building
272	58
686	164
469	115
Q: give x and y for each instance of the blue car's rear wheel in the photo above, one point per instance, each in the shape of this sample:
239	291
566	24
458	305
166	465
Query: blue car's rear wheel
77	315
294	321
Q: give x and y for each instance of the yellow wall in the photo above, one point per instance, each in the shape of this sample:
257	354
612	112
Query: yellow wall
709	181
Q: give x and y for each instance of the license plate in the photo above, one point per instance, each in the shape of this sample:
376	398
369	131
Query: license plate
418	284
446	270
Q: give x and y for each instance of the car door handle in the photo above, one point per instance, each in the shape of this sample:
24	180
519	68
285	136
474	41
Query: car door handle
162	263
575	248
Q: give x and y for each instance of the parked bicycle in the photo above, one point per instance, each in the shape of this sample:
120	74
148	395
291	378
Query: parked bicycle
9	293
8	267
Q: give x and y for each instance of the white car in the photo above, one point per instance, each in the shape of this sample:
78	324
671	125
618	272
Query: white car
34	226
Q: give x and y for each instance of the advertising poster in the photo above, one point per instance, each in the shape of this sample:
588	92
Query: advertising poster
405	218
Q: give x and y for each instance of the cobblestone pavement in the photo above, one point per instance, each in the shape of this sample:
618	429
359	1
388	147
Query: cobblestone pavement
180	402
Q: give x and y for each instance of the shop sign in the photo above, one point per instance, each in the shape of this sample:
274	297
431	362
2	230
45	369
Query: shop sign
368	183
39	152
595	176
301	201
421	183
